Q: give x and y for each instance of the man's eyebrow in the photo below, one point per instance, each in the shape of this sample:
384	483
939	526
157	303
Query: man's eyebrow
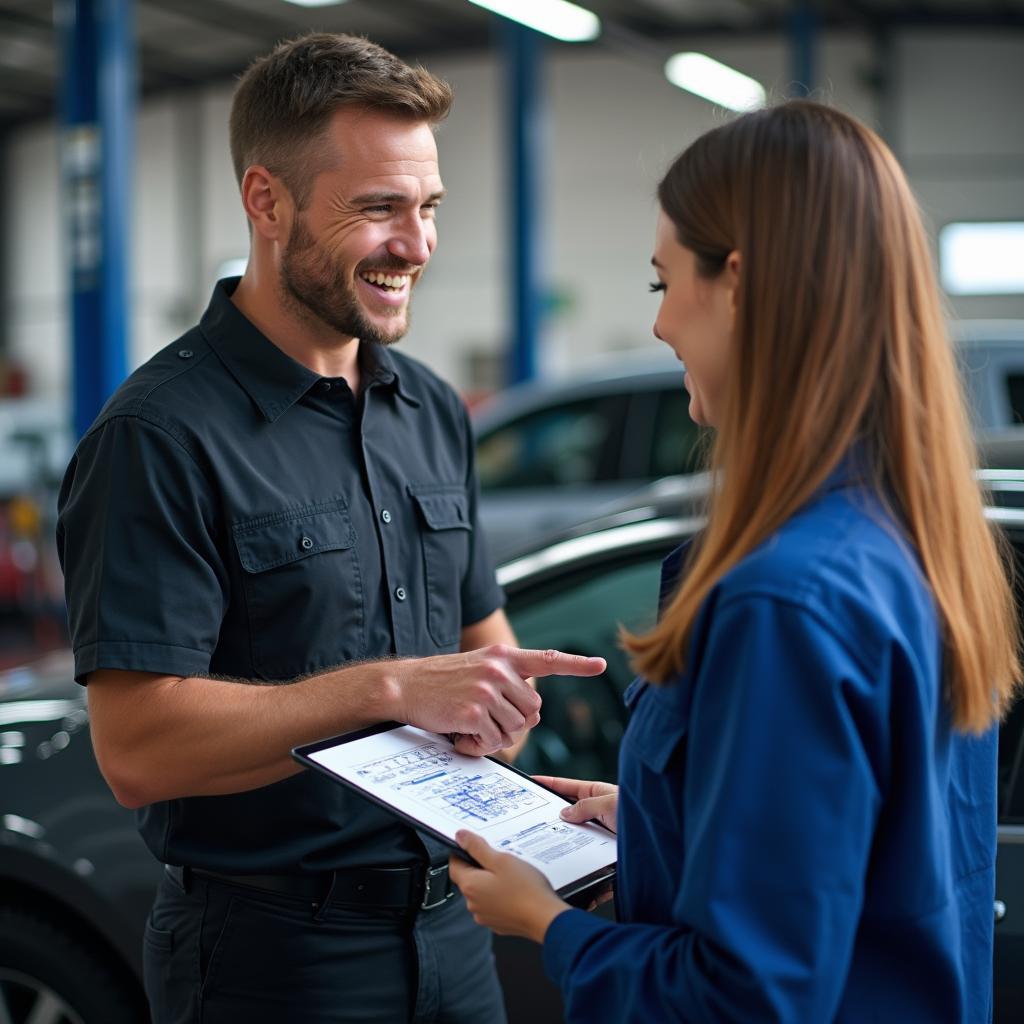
373	198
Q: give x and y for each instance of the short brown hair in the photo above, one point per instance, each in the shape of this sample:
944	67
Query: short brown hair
284	100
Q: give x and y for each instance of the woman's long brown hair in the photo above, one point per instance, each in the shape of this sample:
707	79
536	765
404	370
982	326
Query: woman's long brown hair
839	339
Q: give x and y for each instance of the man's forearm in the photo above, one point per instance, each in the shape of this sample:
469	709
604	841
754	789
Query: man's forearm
161	737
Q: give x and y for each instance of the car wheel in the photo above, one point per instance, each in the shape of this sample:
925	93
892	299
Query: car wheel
50	976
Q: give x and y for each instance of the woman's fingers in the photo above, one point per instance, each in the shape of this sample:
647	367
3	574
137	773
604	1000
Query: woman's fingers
477	847
594	808
576	789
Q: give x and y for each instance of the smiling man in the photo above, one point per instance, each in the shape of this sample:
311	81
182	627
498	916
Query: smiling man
270	535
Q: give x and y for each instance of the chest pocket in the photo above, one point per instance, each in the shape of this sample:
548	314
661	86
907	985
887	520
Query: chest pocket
657	731
303	590
445	537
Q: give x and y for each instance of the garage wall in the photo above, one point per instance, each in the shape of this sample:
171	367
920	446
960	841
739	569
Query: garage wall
953	118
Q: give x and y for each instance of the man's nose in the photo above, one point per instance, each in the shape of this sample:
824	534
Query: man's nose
414	241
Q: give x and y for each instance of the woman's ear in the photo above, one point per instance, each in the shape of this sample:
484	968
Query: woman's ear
731	270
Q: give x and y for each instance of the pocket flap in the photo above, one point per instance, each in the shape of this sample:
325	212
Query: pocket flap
445	509
274	540
657	729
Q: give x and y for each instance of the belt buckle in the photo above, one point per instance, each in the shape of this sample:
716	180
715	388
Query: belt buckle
430	878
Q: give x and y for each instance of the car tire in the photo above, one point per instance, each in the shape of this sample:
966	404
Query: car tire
50	973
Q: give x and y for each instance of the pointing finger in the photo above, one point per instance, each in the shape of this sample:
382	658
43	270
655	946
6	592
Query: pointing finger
554	663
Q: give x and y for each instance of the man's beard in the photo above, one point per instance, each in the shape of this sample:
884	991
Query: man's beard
314	285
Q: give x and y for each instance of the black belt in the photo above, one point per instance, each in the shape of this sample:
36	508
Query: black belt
413	888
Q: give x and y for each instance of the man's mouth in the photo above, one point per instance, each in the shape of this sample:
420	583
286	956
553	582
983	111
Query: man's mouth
388	282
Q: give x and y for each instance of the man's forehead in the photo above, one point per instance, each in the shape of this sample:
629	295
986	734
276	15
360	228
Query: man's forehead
378	153
363	136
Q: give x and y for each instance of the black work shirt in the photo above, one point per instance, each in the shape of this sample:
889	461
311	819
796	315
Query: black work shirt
231	513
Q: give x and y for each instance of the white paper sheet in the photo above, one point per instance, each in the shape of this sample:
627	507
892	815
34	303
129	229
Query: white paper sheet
422	775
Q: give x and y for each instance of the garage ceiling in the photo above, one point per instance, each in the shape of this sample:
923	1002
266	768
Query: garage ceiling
185	43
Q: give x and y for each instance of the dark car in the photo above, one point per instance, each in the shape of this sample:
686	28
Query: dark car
551	453
76	881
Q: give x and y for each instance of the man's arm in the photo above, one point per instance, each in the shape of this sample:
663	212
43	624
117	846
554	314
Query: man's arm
160	737
496	629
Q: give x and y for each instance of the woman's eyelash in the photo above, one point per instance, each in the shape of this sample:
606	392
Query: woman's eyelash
656	286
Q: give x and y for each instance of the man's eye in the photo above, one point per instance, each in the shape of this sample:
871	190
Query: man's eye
430	207
382	208
656	286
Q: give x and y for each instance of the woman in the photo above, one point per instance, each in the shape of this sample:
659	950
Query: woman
806	815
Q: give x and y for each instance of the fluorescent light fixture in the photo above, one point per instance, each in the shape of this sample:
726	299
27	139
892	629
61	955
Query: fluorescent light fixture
719	83
316	3
982	258
557	18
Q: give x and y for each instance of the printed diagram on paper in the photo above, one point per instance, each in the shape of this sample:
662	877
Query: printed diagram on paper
477	797
414	761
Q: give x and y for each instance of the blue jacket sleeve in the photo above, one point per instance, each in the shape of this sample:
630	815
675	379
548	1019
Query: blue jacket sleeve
775	810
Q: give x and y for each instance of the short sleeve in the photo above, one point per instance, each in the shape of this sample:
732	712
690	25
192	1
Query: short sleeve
145	582
481	594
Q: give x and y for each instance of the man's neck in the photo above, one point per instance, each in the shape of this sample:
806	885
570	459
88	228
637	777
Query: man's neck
307	341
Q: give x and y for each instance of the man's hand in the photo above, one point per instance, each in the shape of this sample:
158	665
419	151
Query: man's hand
595	801
481	695
505	893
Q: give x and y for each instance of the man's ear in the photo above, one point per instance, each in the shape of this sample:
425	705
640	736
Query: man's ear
267	203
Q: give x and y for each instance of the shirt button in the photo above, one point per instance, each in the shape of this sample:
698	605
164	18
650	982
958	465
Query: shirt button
400	593
185	353
325	385
386	516
306	543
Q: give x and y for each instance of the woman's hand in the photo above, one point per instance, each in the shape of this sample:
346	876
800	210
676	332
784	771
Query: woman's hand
505	893
595	801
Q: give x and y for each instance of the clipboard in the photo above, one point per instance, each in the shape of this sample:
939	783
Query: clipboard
422	779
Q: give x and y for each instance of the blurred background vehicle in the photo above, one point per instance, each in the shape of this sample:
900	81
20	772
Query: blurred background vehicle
555	452
76	881
35	446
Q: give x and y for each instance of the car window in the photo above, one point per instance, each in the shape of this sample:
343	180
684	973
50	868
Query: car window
1011	767
1015	393
575	443
1011	732
583	720
676	441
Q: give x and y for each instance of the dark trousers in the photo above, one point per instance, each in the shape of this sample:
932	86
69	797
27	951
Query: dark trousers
220	954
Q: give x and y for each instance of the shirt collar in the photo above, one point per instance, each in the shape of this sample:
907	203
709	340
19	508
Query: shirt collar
271	378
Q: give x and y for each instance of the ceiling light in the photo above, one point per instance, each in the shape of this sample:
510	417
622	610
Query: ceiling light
719	83
316	3
558	18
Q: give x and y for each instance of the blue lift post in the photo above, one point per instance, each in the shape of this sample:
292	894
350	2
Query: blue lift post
524	63
803	38
96	150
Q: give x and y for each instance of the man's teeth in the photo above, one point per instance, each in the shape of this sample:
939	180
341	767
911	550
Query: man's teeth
387	280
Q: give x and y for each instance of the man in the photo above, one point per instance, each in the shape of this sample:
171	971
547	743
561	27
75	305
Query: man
274	499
